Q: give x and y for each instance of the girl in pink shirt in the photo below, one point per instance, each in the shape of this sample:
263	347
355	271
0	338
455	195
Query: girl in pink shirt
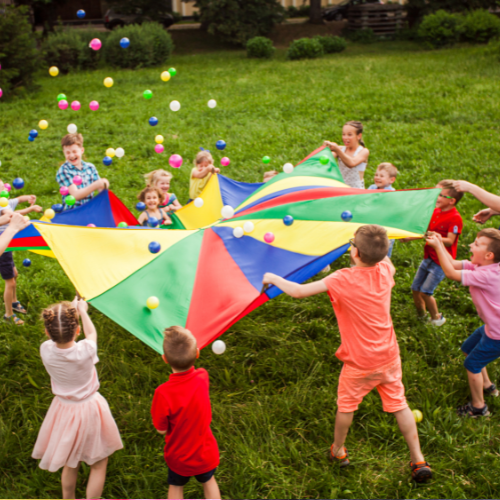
79	426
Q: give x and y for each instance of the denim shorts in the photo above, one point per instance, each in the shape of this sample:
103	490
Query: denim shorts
428	277
175	479
481	350
7	266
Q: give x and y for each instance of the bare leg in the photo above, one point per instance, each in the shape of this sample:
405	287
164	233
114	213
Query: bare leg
211	489
175	491
97	478
408	427
419	302
8	295
486	379
476	389
14	295
342	423
431	305
68	480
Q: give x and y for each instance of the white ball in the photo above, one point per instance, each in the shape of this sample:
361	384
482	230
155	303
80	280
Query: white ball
288	168
248	227
218	347
119	152
212	103
175	105
227	211
198	202
72	128
238	232
0	163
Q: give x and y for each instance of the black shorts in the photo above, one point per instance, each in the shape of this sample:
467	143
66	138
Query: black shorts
7	266
175	479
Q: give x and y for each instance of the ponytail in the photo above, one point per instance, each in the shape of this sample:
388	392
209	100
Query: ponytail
359	129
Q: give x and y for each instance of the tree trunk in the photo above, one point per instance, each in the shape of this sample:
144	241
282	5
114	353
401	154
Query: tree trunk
315	12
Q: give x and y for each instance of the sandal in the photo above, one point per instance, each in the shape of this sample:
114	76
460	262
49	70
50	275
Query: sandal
13	319
470	411
18	307
492	390
343	460
420	471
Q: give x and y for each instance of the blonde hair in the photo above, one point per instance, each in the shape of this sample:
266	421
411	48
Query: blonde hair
61	321
202	156
153	177
372	243
149	189
359	129
179	347
389	168
70	139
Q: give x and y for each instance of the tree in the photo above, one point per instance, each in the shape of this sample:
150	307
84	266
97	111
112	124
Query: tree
147	8
315	16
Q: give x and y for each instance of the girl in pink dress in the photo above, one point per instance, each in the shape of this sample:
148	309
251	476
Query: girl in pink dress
79	426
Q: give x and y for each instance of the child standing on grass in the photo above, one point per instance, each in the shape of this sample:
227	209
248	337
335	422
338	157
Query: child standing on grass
181	411
161	179
79	426
361	299
201	173
152	198
482	275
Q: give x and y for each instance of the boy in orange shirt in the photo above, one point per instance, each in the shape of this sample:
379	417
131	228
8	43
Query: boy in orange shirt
361	299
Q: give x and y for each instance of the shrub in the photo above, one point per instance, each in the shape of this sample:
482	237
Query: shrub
332	44
480	26
151	46
18	54
260	46
366	35
305	48
440	29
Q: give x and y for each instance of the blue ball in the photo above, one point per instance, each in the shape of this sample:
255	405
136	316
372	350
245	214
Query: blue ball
107	160
80	14
124	43
26	263
58	208
140	206
288	220
154	247
34	133
18	183
31	138
220	145
346	216
153	222
153	121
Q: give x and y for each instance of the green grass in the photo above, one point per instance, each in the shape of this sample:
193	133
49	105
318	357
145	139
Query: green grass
434	114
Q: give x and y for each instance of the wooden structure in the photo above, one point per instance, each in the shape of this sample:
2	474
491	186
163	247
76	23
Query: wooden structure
382	19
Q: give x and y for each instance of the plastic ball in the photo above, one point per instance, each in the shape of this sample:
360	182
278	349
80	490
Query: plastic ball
72	128
1	92
110	152
95	44
119	152
58	207
346	216
288	220
175	161
18	183
238	232
165	76
220	145
49	213
198	202
153	121
269	237
77	180
26	263
4	194
34	133
154	247
219	347
288	168
60	97
153	222
122	224
4	202
75	106
225	161
80	14
141	206
64	191
248	226
108	82
227	211
43	124
172	71
70	200
91	225
31	138
124	43
175	105
324	160
63	104
417	414
6	186
94	105
147	94
153	302
159	139
159	148
266	159
53	71
107	161
212	103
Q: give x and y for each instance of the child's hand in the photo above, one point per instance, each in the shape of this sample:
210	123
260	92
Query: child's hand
483	215
31	199
82	306
36	208
18	222
104	184
269	279
217	170
433	239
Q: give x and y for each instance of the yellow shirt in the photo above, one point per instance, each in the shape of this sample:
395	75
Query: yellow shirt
196	185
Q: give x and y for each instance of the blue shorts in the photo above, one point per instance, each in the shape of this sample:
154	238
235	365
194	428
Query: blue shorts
428	277
391	246
175	479
481	350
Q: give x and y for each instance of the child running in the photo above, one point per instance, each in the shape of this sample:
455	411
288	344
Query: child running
152	197
201	173
181	411
482	275
161	179
361	299
353	155
79	426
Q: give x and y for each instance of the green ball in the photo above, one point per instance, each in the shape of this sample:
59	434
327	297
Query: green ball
324	160
4	194
266	160
122	224
172	71
60	97
70	200
147	94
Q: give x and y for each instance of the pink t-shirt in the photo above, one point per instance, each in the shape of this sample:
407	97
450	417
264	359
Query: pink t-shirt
484	287
72	371
361	299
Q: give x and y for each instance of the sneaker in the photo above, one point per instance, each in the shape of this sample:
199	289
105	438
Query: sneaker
343	460
326	269
438	322
470	411
492	390
424	318
420	471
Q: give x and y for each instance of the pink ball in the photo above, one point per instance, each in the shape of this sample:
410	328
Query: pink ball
64	191
159	148
91	225
77	180
95	44
1	92
269	237
7	187
94	105
175	161
75	105
225	161
63	104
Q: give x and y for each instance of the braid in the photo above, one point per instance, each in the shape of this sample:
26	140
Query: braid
62	325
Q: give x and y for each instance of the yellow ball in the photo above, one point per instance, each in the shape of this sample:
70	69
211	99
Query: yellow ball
43	124
165	76
110	152
159	139
26	218
153	302
418	415
49	213
108	82
4	202
53	71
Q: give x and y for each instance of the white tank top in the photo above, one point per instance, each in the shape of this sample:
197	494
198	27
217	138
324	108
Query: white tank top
351	175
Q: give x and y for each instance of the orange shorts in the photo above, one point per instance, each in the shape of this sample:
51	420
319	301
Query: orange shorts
355	384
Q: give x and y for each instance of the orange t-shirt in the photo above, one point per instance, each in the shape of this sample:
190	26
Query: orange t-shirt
361	299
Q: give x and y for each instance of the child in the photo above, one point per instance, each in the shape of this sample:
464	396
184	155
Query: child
361	299
353	156
181	411
384	177
482	275
72	145
79	426
152	198
448	223
161	179
201	173
8	269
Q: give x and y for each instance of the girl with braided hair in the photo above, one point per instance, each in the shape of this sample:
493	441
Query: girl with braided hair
79	426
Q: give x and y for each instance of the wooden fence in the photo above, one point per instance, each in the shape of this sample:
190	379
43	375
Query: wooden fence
382	19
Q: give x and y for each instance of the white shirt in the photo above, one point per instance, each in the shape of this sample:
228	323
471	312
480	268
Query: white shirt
351	175
11	206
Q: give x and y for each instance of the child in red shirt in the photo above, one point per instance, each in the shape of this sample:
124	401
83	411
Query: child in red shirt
181	411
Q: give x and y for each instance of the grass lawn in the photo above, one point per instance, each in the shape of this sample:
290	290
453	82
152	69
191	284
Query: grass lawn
434	114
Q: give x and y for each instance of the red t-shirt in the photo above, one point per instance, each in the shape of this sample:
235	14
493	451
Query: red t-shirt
181	407
444	223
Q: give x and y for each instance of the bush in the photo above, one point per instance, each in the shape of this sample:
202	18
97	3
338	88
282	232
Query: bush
332	44
366	35
305	48
261	47
480	26
18	54
440	29
151	46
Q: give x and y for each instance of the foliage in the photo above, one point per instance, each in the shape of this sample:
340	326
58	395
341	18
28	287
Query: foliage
480	26
305	48
366	35
18	55
302	11
147	8
152	45
260	47
440	29
236	21
332	44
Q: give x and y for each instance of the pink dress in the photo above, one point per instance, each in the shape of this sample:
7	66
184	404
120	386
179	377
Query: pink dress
79	426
